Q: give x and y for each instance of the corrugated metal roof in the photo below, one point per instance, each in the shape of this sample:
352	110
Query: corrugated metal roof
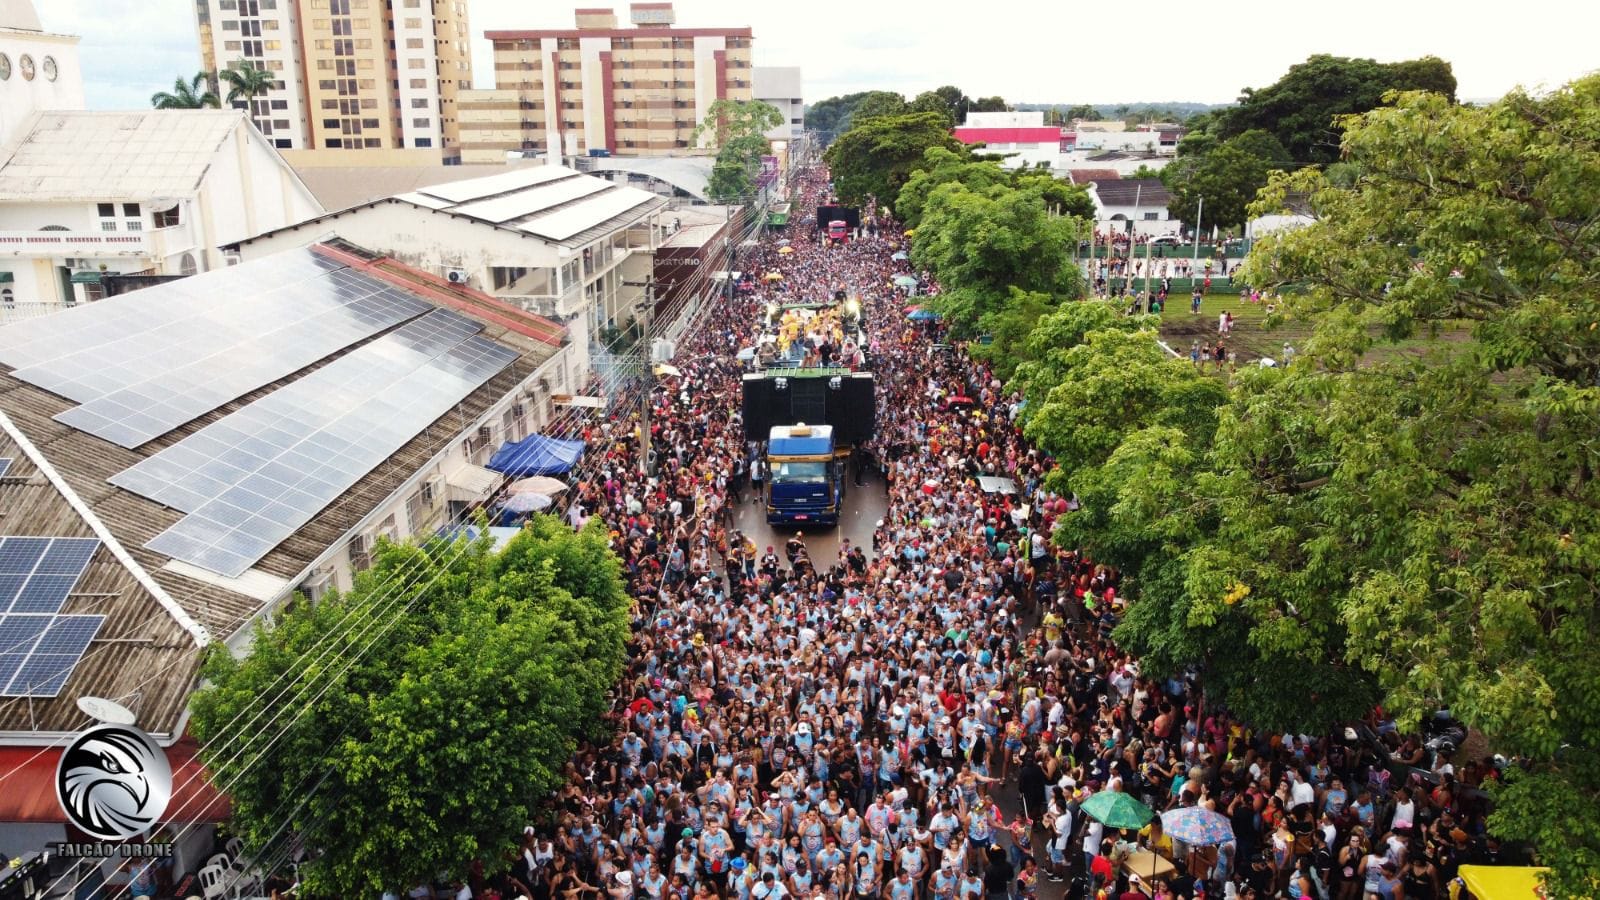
152	154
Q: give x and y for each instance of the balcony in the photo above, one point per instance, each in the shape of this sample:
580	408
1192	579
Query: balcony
74	243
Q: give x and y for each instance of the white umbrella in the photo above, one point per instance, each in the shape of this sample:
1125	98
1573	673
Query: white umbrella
745	354
522	503
537	484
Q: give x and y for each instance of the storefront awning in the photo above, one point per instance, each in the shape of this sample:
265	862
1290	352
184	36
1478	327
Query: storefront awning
475	480
30	791
7	277
86	277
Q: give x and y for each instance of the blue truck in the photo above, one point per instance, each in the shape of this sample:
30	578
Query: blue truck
806	475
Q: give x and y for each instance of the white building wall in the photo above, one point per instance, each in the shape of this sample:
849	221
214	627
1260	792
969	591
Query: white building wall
428	74
21	97
1018	119
285	61
781	87
593	90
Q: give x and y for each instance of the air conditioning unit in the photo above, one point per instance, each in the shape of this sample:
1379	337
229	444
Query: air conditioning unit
518	411
319	584
75	263
430	491
485	433
456	276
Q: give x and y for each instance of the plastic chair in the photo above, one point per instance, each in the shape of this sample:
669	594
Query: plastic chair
213	880
235	849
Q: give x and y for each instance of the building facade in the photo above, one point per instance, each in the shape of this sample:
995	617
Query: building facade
780	86
349	74
155	192
38	70
601	89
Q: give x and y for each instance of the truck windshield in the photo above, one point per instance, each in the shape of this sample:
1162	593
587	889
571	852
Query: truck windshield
800	472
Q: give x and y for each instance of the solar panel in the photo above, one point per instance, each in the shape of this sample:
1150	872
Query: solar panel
564	223
528	202
139	413
93	328
37	573
255	477
214	339
489	185
55	646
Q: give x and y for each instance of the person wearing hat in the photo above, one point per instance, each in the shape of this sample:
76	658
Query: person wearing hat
623	888
1135	889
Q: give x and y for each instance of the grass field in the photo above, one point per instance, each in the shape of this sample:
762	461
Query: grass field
1252	340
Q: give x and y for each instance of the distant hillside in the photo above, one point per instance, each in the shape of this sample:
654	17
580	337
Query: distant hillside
1173	110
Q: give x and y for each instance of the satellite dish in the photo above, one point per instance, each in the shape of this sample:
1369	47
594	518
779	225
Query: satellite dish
106	710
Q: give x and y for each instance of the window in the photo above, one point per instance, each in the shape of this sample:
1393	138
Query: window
330	123
1151	216
419	82
370	123
414	43
374	142
130	209
327	84
167	218
421	123
135	225
106	210
187	264
230	25
419	103
413	23
108	225
279	104
416	64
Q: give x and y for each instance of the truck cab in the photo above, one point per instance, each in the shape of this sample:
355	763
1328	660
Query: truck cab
839	231
805	481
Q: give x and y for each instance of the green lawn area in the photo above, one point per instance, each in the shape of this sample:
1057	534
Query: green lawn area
1252	340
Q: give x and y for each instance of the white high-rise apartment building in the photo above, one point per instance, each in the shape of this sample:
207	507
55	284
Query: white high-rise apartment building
350	74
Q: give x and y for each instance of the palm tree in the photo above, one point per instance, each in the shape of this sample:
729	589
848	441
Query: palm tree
191	94
246	83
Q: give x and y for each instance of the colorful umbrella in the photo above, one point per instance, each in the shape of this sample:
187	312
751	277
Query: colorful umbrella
1197	826
774	276
1117	810
905	281
783	250
899	255
923	315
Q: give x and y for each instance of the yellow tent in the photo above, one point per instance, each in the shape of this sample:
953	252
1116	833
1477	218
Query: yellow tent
782	251
1502	882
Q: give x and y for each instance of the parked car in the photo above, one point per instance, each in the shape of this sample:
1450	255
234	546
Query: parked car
1166	239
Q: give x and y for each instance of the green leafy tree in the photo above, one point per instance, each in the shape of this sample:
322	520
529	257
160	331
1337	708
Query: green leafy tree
941	165
878	104
1083	111
831	117
1144	171
1301	108
245	84
1227	178
989	104
948	100
436	726
983	244
191	94
877	156
738	129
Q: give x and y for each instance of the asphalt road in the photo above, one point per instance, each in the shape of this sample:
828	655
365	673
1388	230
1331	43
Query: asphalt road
865	506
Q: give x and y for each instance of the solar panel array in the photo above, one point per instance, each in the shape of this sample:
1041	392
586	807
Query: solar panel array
564	223
204	346
253	478
39	648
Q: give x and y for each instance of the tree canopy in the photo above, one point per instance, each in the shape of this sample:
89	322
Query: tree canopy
1227	177
738	129
1301	109
195	93
836	115
876	157
1413	529
411	735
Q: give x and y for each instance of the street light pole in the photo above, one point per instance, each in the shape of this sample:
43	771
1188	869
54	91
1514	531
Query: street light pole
646	376
1199	214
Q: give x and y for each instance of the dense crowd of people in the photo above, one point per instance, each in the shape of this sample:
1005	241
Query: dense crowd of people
927	717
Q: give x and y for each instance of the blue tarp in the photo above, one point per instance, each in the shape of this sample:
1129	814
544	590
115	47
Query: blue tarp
536	455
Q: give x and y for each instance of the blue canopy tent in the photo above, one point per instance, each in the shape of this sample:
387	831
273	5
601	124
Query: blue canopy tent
536	455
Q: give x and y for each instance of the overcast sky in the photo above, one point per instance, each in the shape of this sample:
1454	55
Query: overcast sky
1030	52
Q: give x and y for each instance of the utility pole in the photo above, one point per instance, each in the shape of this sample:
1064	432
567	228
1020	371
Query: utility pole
1199	215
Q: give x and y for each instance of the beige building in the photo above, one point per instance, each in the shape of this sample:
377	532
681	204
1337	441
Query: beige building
601	89
351	74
